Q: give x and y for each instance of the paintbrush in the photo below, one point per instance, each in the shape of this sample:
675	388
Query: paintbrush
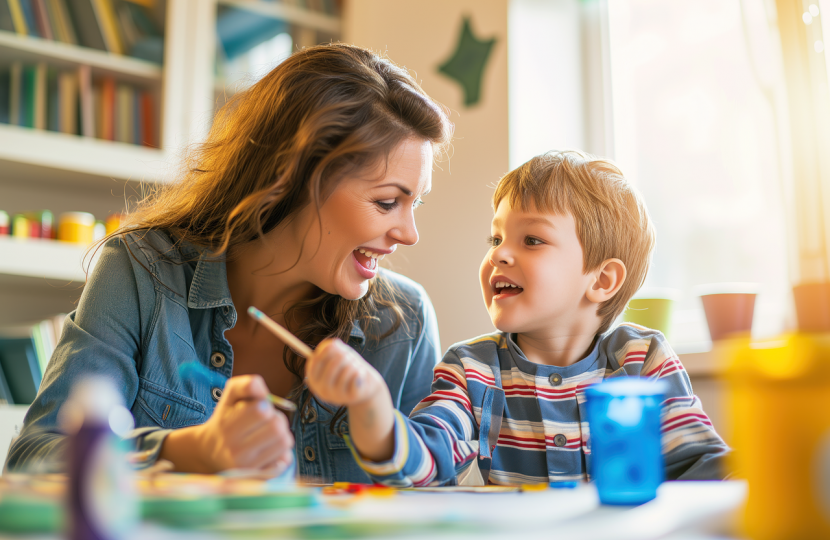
281	332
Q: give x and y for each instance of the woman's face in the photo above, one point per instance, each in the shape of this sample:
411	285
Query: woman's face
364	219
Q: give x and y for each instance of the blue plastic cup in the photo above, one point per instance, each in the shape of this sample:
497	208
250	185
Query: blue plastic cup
624	423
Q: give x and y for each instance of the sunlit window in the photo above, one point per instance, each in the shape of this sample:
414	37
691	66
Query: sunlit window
694	123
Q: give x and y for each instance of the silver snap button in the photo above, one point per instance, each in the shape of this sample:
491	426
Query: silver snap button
216	393
560	440
310	415
309	453
217	359
344	428
555	379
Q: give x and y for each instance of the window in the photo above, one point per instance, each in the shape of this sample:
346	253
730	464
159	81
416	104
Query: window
694	126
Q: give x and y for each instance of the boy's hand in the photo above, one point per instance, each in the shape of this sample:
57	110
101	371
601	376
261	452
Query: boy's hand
338	375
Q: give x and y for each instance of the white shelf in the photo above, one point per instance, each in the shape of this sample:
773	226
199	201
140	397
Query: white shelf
292	14
44	156
31	49
42	259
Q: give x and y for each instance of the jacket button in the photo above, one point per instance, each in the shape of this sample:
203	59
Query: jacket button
555	379
310	415
309	454
217	359
216	393
560	440
344	428
226	310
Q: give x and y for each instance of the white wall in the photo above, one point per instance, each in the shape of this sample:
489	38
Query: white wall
547	109
455	221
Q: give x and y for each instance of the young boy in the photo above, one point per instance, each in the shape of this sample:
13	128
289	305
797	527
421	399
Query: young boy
571	243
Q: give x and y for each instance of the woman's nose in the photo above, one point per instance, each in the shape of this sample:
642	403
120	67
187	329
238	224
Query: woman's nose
406	232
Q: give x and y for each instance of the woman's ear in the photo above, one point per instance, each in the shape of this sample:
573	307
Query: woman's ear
609	277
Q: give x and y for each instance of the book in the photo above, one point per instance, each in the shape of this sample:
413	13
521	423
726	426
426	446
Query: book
19	362
124	113
87	105
68	103
5	91
65	28
148	125
5	393
27	97
53	100
86	24
6	21
29	15
44	28
18	19
15	91
107	108
39	101
107	22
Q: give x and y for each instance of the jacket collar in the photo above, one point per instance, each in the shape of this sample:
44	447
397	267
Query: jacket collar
209	289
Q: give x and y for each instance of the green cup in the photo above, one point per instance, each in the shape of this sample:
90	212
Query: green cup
652	308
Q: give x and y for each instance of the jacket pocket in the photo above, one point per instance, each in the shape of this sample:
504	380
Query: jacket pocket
166	408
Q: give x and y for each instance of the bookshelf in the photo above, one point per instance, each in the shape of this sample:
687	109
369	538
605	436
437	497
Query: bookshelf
34	49
62	172
32	260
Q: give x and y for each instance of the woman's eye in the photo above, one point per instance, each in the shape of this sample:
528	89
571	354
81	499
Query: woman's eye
530	241
493	241
387	205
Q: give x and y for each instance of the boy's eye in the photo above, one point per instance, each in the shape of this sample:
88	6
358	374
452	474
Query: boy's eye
387	205
493	241
530	241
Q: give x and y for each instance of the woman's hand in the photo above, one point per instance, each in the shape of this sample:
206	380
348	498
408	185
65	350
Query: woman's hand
244	432
336	374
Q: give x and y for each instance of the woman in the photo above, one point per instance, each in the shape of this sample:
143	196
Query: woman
306	180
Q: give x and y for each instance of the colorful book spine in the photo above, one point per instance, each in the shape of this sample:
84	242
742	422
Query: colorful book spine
87	105
107	108
29	15
17	17
41	19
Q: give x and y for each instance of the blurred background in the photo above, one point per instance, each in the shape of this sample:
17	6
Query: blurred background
716	109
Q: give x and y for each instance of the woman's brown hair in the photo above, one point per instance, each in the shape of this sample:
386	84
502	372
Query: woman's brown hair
282	144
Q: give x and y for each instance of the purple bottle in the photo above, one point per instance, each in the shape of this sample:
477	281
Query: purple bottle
102	504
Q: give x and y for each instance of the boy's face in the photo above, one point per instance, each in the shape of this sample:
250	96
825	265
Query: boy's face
541	254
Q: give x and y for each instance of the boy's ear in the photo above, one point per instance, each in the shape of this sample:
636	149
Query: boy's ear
609	277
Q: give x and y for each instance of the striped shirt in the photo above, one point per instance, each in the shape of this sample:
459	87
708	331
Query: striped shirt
541	434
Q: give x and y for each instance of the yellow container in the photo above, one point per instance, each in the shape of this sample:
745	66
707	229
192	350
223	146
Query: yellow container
76	227
779	397
113	223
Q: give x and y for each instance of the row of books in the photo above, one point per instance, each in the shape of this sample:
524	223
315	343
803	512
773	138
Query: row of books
118	26
25	351
42	97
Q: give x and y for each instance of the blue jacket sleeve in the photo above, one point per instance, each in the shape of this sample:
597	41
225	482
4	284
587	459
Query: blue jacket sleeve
426	355
102	337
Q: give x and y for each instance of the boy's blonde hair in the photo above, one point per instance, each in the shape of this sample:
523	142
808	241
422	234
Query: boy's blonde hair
610	215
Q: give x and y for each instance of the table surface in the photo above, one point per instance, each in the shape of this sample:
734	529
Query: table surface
682	511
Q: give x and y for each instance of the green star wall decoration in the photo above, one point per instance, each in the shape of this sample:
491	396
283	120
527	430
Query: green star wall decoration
467	63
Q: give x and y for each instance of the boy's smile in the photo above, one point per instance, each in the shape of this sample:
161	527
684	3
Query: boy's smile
532	277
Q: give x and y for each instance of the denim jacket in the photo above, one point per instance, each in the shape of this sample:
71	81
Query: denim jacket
143	313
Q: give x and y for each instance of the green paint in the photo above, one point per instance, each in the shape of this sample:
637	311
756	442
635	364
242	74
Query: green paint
467	63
